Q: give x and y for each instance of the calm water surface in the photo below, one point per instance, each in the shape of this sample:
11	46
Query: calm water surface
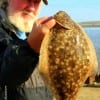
94	34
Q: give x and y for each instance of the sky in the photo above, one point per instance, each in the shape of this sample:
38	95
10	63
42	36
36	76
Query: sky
78	10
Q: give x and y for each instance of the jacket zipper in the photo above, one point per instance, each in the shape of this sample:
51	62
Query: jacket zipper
5	95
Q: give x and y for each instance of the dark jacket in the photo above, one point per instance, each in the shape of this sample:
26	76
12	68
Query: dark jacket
17	62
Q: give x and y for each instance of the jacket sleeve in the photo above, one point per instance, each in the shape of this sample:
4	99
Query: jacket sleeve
17	60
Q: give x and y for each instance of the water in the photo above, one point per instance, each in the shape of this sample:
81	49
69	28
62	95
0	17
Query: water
94	34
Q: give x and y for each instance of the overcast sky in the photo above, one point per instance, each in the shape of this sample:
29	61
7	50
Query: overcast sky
79	10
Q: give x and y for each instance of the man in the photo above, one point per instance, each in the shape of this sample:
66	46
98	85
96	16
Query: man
20	54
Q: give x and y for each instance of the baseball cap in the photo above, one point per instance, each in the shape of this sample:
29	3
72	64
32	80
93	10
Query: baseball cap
45	2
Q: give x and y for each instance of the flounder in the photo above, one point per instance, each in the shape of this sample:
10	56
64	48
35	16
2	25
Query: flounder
67	58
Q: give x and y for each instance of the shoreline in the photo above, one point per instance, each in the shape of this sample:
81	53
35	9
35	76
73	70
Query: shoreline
90	24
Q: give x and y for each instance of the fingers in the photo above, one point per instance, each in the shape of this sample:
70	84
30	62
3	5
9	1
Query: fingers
41	20
46	22
49	23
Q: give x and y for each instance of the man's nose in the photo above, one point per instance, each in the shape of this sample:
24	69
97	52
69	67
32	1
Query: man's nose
31	6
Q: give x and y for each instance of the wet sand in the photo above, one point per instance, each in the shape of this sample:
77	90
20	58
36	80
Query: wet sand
89	93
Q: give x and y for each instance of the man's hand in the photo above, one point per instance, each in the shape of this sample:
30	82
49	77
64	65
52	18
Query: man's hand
41	27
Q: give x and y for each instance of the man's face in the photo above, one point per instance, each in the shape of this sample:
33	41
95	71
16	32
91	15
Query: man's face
23	13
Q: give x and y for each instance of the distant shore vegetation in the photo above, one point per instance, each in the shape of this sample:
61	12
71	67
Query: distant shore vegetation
90	24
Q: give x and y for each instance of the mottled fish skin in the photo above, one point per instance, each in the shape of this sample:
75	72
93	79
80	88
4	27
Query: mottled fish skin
67	58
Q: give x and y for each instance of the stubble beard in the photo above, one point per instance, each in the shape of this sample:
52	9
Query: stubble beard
23	24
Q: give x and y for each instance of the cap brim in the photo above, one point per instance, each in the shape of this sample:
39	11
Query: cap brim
45	2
